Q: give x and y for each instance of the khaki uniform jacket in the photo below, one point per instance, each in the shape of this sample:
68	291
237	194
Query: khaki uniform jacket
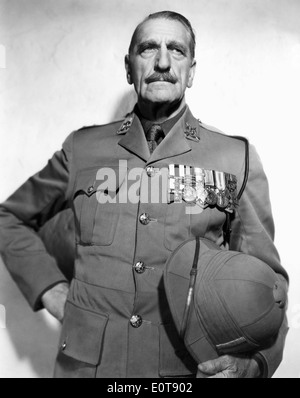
99	337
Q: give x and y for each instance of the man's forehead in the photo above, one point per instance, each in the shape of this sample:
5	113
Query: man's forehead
162	30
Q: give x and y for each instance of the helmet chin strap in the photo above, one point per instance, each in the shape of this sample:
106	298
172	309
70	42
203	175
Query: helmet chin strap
193	275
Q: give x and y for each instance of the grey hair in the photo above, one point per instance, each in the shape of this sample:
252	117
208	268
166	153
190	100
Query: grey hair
171	15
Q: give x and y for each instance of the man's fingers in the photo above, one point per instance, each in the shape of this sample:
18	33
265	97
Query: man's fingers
201	375
214	366
228	367
222	375
54	300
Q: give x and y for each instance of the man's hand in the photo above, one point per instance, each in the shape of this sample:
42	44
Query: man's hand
54	300
229	367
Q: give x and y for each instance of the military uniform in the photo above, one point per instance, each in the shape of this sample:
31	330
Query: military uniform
117	319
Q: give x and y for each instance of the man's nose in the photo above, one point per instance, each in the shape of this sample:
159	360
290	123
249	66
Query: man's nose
163	60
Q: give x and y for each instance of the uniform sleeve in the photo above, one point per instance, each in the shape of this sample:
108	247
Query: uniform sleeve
23	214
253	234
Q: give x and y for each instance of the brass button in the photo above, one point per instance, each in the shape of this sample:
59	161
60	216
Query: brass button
144	219
150	171
136	321
90	189
140	267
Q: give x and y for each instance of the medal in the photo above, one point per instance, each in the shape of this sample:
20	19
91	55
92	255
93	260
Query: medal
201	192
211	198
177	191
209	178
220	180
171	178
231	183
222	196
189	194
222	200
202	187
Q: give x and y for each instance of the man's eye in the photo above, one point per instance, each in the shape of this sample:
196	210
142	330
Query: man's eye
177	51
148	50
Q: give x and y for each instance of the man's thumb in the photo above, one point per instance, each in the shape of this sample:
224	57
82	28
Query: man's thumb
210	367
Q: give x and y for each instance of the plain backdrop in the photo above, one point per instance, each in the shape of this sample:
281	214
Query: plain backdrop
62	67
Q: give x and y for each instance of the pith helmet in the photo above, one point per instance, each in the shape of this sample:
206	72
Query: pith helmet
222	302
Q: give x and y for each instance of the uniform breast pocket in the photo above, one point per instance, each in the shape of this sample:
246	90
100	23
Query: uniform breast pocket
96	206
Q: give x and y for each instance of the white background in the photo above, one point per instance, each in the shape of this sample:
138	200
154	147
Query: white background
64	69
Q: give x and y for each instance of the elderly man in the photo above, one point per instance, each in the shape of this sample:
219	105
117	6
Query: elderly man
116	318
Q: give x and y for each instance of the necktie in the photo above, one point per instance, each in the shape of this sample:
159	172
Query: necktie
154	137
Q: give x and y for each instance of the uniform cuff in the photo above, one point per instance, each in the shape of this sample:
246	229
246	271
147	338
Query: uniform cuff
38	304
34	275
262	364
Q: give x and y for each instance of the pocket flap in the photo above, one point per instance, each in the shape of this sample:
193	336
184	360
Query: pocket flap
107	179
82	334
86	182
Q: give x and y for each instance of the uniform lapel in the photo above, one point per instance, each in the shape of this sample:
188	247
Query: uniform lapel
135	141
173	145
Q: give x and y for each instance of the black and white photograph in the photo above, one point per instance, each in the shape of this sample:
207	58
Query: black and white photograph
149	191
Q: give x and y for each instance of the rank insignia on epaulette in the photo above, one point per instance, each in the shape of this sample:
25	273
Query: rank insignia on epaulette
125	125
191	133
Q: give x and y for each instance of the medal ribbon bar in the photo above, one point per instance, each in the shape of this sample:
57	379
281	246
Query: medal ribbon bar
206	188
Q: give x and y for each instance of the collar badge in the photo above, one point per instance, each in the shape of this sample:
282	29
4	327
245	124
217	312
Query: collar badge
191	133
125	125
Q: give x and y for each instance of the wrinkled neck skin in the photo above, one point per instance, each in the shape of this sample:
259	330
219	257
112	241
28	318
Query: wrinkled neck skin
160	112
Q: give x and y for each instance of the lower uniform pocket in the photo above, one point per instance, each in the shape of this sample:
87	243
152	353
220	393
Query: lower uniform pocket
69	368
82	334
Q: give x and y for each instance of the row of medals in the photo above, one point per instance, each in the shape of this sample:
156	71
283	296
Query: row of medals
203	187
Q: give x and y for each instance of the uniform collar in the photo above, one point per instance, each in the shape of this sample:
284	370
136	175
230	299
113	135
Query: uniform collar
166	126
174	144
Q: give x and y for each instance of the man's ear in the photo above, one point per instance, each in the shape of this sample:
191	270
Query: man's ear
192	74
128	69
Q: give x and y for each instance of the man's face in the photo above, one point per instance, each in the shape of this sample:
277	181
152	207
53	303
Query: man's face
160	65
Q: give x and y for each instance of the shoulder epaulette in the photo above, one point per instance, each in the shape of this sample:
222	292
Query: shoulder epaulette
99	125
88	127
211	128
